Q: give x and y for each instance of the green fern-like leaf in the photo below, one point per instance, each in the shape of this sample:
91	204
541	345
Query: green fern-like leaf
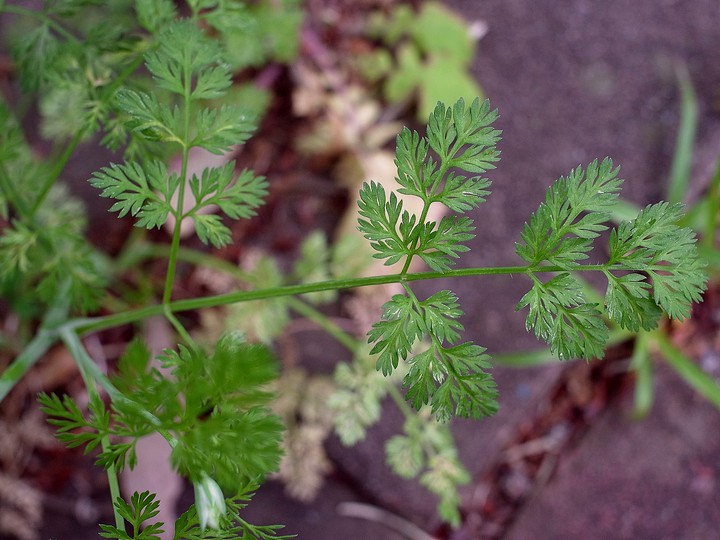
573	214
142	191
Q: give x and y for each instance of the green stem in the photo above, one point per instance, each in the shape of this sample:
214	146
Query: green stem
41	16
57	170
332	329
179	328
89	372
175	243
86	365
400	401
34	350
350	343
110	321
45	338
423	219
12	195
641	364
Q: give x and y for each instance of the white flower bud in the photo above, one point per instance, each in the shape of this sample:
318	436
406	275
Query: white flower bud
209	502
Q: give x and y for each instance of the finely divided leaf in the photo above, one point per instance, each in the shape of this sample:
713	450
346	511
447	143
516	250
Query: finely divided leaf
420	381
73	428
469	391
461	194
439	246
144	192
573	213
405	455
36	54
210	230
464	137
184	52
629	302
150	119
413	173
378	222
453	381
440	315
236	197
218	130
142	507
17	245
560	315
153	15
652	243
212	83
395	334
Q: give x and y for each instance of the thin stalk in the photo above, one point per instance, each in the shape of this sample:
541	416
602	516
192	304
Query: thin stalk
110	321
45	338
175	243
179	328
427	203
34	350
332	329
350	343
41	16
423	219
12	195
399	400
85	364
296	304
57	170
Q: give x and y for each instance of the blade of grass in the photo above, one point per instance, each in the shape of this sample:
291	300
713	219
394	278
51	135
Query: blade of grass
682	158
691	373
542	357
713	206
642	366
624	211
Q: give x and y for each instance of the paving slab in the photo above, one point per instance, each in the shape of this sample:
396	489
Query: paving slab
654	479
